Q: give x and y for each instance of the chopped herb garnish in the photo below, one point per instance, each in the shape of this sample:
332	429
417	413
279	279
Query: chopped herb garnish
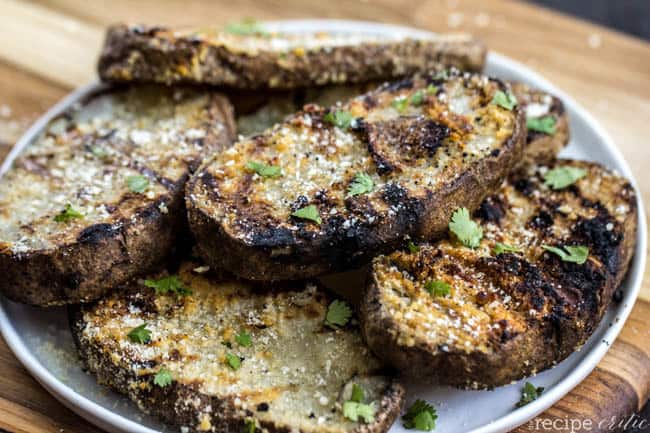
233	361
505	100
400	103
418	98
437	288
263	169
169	284
244	339
361	184
431	89
98	151
308	213
544	124
338	314
250	426
529	394
500	248
163	377
420	416
140	334
137	183
339	118
441	75
467	231
357	393
67	214
575	254
355	408
412	247
561	177
354	411
246	27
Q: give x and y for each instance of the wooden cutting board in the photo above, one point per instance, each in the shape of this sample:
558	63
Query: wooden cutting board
49	47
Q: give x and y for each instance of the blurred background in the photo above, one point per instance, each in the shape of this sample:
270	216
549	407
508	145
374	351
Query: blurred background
629	16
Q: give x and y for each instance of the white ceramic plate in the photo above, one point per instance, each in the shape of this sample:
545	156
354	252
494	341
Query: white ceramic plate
42	342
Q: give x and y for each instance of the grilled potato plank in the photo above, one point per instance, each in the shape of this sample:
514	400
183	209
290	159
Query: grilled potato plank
118	163
513	313
291	371
251	61
542	147
419	161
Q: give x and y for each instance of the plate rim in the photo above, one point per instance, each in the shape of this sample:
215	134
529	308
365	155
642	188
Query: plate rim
107	419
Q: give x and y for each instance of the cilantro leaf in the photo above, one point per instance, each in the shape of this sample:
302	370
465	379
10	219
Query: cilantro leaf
263	169
233	361
505	100
529	394
354	411
250	426
400	103
417	98
500	248
412	247
357	393
338	314
437	288
431	89
140	334
467	231
67	214
545	124
137	183
244	339
441	75
575	254
420	416
308	213
561	177
163	377
98	151
339	118
246	27
361	184
168	284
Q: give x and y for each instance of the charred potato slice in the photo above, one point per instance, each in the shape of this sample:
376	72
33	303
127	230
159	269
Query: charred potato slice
98	197
330	187
217	355
521	301
278	61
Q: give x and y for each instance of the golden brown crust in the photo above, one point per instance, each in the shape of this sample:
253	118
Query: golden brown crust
87	163
424	162
156	54
509	315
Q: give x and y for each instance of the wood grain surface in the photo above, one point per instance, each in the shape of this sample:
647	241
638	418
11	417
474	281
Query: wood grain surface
49	47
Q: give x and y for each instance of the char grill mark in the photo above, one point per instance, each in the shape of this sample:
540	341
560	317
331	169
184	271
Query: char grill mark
394	143
603	237
491	210
406	83
96	233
